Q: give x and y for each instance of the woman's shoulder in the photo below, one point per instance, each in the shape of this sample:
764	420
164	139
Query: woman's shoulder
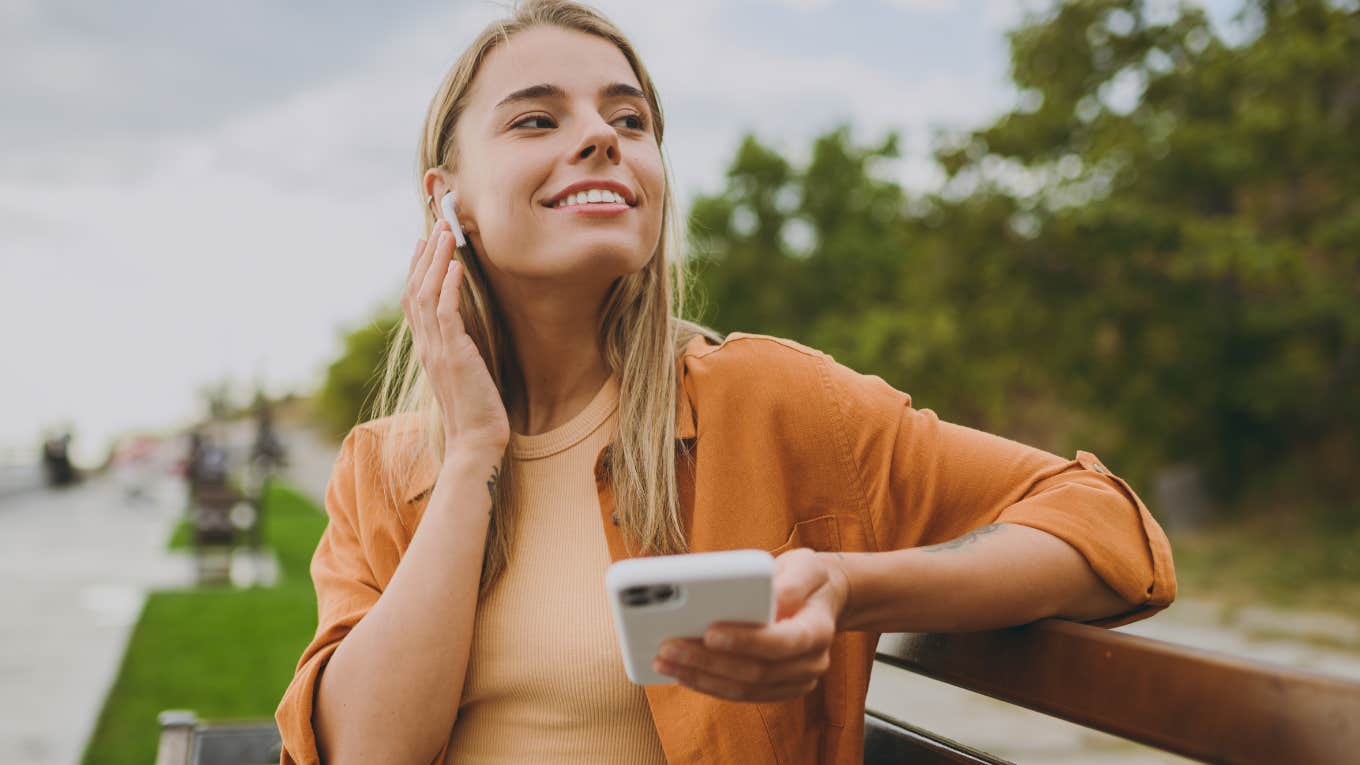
751	379
740	352
403	425
749	373
388	455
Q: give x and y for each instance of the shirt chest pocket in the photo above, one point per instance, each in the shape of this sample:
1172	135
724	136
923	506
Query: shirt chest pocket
828	701
818	533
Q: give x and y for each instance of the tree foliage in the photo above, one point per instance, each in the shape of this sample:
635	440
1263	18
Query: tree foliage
352	379
1156	251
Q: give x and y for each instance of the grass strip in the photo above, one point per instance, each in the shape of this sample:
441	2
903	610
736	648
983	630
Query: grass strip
224	653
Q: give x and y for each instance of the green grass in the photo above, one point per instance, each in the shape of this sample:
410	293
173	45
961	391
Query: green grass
181	539
223	653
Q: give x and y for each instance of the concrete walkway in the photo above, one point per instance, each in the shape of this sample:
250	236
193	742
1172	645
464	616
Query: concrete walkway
77	564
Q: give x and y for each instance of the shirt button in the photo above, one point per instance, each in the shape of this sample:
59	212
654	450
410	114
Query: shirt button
614	517
1099	468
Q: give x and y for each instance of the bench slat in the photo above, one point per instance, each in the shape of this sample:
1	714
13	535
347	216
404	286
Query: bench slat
889	741
1200	704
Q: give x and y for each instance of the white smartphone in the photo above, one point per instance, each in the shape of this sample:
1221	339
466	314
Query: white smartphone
679	596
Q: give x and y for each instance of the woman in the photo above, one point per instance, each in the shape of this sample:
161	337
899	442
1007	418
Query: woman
555	417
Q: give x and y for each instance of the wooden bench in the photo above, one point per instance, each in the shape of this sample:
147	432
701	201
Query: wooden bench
1204	705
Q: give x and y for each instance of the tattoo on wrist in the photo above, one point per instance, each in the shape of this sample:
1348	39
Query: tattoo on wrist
966	539
491	483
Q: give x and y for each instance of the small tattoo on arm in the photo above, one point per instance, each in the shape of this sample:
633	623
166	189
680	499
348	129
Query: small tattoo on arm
966	539
491	483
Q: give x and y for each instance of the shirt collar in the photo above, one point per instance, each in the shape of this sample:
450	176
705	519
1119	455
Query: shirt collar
426	473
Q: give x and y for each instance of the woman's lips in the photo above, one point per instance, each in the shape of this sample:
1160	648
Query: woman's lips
596	208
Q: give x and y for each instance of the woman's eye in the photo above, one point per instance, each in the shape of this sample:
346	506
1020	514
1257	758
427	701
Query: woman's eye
639	122
538	118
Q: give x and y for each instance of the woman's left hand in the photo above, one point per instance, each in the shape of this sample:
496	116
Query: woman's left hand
781	660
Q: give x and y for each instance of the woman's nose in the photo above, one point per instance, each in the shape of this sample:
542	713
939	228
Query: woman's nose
599	139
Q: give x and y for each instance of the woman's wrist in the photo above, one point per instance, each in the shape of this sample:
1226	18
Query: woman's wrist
465	455
869	581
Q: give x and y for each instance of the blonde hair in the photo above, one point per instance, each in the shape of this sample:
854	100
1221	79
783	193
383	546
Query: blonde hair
641	329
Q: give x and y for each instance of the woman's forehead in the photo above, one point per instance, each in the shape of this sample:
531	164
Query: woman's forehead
574	61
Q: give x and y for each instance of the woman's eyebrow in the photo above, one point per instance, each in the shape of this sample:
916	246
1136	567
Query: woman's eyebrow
547	90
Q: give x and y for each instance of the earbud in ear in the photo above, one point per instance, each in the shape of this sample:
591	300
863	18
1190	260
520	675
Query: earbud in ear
446	204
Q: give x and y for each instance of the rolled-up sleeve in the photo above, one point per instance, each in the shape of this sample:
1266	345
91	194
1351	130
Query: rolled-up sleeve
345	590
925	481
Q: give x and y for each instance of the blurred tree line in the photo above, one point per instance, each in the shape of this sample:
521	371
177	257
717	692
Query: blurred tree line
1154	256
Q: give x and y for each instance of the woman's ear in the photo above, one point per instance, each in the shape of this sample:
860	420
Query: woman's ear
437	184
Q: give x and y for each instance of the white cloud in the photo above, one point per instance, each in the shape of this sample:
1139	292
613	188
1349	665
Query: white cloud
926	6
805	5
238	243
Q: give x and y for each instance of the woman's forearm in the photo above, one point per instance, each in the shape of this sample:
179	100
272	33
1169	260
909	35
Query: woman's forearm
994	576
390	691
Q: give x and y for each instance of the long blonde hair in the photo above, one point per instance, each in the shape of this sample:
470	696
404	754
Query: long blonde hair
641	330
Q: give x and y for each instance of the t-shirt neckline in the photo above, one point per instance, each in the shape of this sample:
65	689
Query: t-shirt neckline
571	432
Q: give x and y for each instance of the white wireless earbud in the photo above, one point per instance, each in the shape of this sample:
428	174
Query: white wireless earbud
451	215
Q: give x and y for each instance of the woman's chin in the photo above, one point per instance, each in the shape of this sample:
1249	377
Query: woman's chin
604	260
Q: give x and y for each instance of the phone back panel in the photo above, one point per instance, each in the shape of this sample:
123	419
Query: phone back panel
728	586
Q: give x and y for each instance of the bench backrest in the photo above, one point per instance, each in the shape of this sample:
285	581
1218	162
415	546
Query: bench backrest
1200	704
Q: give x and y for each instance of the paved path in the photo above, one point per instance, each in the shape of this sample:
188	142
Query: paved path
77	565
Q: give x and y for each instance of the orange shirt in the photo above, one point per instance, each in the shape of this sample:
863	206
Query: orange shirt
792	450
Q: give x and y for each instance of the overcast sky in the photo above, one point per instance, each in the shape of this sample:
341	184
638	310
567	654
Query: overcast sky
191	191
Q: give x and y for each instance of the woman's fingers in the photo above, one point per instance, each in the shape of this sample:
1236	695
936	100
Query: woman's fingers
691	654
427	247
415	278
415	258
427	298
726	687
450	321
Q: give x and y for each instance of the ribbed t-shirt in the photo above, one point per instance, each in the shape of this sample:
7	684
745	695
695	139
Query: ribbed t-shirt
545	680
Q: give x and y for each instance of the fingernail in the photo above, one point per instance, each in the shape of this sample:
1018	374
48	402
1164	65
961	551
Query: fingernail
719	640
443	238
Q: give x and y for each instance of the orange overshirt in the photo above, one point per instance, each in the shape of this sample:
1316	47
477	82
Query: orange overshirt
792	450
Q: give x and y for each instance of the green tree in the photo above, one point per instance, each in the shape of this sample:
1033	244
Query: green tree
352	379
1154	255
1196	226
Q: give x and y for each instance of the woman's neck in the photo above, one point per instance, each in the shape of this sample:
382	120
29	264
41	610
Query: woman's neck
557	351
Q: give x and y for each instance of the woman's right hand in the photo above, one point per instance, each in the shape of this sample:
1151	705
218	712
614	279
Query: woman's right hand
474	416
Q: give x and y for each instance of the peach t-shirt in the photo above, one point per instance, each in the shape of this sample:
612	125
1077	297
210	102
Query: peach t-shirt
545	680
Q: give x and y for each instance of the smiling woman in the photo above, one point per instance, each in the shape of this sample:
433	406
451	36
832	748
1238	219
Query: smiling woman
546	411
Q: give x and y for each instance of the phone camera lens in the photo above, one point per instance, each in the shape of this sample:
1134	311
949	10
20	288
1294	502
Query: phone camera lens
664	592
635	596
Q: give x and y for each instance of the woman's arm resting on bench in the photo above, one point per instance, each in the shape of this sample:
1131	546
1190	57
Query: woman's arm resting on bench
999	575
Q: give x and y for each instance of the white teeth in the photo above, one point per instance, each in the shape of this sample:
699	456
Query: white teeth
591	196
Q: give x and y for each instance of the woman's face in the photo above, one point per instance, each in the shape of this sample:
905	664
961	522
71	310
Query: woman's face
582	119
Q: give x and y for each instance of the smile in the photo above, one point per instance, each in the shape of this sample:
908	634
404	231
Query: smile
594	208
